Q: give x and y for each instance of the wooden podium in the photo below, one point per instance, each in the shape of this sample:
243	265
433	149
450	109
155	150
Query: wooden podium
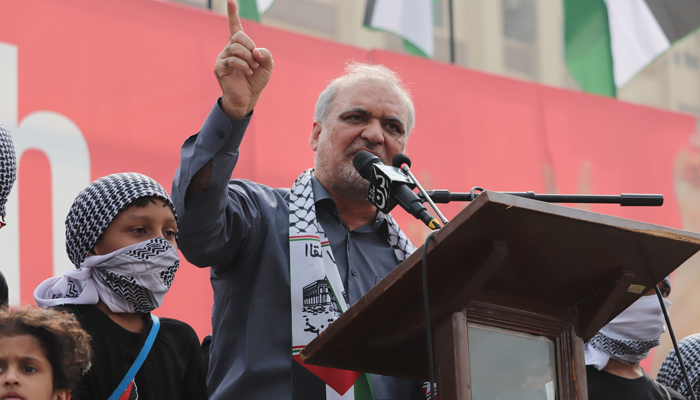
516	287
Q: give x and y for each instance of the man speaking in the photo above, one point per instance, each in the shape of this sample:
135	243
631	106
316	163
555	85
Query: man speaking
286	262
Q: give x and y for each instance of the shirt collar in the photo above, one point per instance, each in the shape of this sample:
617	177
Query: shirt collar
322	197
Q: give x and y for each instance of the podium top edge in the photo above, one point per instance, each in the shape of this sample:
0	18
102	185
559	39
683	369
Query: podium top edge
589	216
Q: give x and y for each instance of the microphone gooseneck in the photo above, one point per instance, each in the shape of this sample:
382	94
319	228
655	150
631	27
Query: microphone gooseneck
402	162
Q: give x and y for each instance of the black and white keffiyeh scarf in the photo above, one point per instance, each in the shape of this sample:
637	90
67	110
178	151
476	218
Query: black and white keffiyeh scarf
670	373
98	204
133	279
318	295
630	336
8	169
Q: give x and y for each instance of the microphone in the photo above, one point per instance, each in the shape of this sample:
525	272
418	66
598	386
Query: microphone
388	186
399	160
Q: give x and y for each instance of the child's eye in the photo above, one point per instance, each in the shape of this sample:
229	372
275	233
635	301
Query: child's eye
138	230
29	368
171	234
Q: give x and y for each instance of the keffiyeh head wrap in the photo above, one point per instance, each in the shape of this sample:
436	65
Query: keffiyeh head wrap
8	167
670	373
98	204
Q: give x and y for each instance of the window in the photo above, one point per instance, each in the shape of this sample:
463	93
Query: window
519	20
692	62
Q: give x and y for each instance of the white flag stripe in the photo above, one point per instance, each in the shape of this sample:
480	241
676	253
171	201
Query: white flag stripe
333	395
636	38
410	19
263	5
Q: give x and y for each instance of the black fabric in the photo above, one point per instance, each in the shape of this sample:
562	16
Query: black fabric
606	386
677	18
206	349
4	291
173	369
312	387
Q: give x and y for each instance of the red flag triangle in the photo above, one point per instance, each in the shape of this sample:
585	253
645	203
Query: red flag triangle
339	380
127	393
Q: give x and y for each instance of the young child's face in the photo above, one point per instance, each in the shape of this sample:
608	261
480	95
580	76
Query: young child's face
136	225
25	372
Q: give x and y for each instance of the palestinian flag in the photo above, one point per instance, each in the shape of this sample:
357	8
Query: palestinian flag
313	382
253	9
411	20
608	42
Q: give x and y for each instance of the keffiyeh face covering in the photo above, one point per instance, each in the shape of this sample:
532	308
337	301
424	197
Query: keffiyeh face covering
630	336
8	169
133	279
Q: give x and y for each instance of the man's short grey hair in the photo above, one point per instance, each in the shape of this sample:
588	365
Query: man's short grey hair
356	73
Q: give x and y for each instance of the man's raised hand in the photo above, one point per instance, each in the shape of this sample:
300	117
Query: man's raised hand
242	69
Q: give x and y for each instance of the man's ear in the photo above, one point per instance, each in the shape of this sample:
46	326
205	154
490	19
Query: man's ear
62	394
315	134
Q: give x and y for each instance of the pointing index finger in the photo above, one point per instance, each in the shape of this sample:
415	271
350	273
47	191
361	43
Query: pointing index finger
234	21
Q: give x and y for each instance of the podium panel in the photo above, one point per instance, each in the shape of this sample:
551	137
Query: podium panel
553	274
510	365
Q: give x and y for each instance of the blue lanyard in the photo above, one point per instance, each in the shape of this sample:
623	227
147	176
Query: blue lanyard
139	360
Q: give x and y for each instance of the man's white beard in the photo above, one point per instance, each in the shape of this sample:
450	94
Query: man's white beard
341	175
353	186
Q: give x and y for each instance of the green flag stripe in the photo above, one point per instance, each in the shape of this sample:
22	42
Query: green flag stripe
411	48
248	9
587	46
363	388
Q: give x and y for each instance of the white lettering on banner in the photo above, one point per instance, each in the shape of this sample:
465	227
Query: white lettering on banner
64	145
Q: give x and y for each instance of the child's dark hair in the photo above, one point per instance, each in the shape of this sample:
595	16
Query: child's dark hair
64	341
142	202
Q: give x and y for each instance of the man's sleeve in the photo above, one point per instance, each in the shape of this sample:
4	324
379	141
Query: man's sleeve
211	223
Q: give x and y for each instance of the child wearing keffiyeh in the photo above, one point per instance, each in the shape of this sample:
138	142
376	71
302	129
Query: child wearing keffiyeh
670	373
121	235
614	353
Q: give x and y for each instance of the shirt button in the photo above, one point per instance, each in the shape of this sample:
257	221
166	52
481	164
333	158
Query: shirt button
353	272
220	135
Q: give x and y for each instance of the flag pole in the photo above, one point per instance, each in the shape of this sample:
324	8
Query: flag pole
452	32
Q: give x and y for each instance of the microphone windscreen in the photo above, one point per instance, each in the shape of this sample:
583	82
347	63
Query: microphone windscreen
399	160
363	161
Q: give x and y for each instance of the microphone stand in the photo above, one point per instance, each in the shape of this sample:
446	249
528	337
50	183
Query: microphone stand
624	199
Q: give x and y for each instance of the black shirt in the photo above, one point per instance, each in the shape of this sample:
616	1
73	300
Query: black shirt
172	369
4	292
604	385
